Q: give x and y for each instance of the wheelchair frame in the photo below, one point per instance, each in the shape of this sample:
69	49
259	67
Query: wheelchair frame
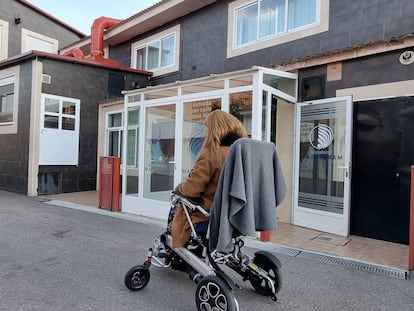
215	289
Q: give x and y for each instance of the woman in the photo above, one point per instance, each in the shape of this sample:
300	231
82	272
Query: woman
222	129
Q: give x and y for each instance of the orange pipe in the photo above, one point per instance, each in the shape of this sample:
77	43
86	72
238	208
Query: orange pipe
97	33
75	52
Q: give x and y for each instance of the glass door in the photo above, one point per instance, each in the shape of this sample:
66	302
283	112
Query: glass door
193	130
159	152
323	151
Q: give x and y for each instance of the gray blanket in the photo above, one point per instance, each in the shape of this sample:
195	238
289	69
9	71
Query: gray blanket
251	185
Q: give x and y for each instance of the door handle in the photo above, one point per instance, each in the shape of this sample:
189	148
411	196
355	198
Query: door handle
346	168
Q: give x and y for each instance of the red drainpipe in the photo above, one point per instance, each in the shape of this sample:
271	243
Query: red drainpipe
75	52
97	33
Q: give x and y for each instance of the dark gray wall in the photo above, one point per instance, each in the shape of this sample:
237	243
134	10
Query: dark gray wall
15	147
90	85
33	21
383	68
204	37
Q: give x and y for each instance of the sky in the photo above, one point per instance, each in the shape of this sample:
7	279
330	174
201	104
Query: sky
81	14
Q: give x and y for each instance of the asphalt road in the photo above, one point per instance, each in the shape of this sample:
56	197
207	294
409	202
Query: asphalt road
57	258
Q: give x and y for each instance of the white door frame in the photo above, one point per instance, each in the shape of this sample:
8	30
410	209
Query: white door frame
335	220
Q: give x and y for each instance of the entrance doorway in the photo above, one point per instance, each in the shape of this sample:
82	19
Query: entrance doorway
323	152
166	131
382	155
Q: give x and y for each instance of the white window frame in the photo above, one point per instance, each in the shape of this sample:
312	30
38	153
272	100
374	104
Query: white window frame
110	129
4	39
27	35
127	150
321	25
7	76
174	31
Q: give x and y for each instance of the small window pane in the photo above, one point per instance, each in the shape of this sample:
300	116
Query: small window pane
247	24
6	107
69	108
141	59
167	54
272	17
39	45
301	12
241	107
52	105
153	55
68	124
6	88
133	116
115	120
51	122
241	81
268	12
132	145
114	144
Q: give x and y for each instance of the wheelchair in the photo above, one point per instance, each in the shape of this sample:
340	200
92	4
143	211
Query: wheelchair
215	289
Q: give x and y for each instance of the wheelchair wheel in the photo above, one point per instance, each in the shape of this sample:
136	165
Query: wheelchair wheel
137	278
213	293
270	265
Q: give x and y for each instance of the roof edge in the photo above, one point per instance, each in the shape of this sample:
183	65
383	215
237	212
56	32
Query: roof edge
52	18
34	53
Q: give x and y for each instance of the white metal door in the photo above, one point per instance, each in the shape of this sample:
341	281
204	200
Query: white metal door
322	165
159	148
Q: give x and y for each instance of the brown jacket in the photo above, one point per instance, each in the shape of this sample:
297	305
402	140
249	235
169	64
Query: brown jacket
200	186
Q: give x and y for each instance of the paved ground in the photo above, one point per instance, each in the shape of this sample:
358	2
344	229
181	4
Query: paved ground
55	258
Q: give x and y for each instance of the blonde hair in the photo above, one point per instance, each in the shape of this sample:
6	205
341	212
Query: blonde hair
219	124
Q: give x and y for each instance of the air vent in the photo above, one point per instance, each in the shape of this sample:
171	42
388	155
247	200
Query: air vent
46	79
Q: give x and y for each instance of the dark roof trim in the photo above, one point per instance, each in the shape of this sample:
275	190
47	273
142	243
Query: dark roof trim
33	54
52	18
375	47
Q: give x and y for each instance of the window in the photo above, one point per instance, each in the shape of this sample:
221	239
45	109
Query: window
133	135
6	100
264	23
158	53
34	41
114	134
59	130
9	85
4	38
132	145
266	18
59	114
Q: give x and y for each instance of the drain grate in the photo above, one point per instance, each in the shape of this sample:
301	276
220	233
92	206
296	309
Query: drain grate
352	264
288	251
329	259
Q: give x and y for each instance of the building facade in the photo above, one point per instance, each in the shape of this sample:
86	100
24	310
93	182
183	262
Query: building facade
354	82
330	82
49	103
